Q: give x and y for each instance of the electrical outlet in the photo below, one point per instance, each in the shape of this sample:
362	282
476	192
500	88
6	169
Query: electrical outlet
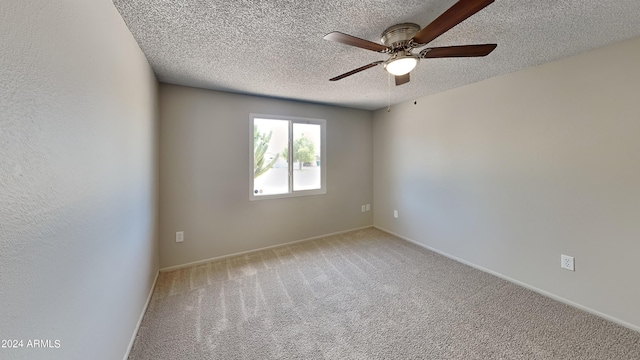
368	207
364	208
395	214
180	236
566	262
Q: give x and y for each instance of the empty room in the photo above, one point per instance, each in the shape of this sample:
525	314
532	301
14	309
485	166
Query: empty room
358	179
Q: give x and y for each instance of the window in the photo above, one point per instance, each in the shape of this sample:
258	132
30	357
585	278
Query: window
287	157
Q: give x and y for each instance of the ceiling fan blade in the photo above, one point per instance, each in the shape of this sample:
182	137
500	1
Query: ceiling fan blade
362	68
458	51
456	14
354	41
402	79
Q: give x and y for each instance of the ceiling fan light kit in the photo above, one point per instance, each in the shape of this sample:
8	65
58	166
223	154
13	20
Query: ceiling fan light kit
401	64
400	40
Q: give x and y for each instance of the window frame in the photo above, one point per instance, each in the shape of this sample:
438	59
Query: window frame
323	156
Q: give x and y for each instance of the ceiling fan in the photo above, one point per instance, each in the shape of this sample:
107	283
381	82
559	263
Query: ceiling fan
398	41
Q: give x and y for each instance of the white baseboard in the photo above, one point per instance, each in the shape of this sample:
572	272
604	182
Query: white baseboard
144	310
176	267
520	283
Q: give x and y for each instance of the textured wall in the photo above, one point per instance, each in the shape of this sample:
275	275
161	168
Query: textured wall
204	176
513	171
77	178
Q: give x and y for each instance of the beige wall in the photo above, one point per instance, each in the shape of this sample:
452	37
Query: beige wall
78	252
204	176
511	172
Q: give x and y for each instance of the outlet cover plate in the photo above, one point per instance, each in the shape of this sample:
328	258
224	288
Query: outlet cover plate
566	262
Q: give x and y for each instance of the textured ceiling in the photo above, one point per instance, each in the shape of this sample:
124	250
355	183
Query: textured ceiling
275	47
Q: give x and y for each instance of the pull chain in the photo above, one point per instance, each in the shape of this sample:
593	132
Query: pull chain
388	92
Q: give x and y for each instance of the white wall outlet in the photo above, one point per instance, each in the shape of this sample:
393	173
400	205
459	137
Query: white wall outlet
395	214
566	262
180	236
364	208
368	207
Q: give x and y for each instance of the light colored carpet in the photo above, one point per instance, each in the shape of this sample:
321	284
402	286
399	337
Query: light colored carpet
363	295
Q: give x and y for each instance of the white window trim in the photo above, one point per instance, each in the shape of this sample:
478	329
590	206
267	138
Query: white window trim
323	156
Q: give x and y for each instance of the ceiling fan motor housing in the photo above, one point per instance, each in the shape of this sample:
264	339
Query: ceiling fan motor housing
398	36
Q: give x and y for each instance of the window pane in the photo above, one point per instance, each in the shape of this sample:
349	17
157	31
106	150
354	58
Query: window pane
270	163
306	157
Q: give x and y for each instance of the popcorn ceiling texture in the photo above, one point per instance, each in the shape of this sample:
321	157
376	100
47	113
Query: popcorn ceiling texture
275	48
